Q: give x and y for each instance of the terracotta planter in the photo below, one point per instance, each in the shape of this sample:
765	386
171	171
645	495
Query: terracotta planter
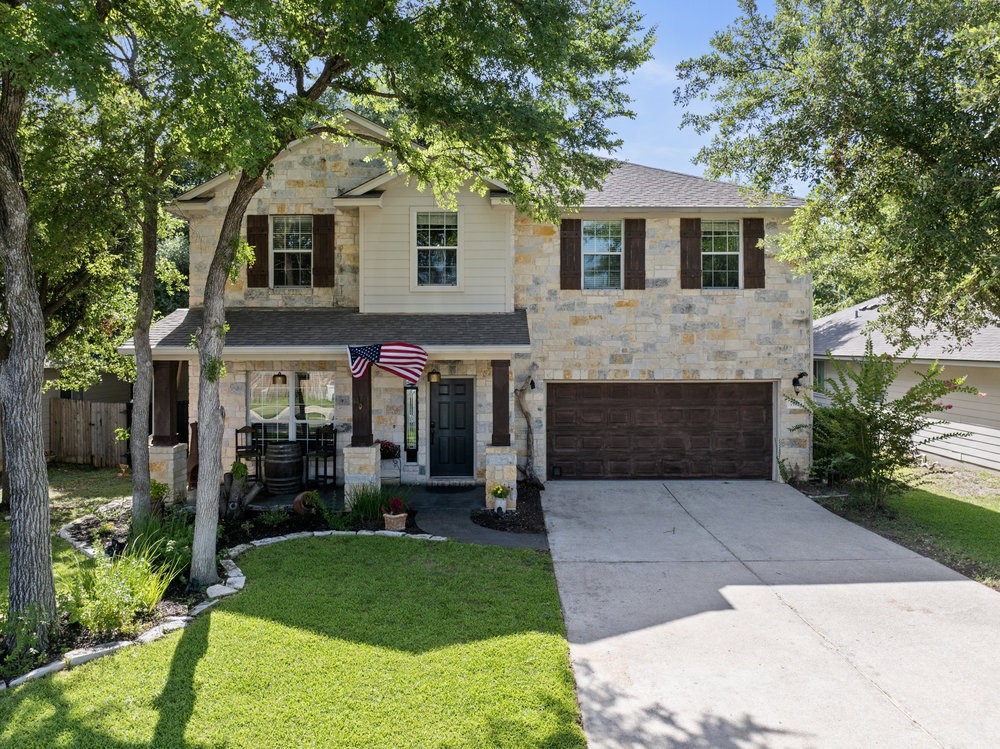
394	522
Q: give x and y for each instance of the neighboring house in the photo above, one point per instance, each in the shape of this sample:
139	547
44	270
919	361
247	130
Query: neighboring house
655	334
842	335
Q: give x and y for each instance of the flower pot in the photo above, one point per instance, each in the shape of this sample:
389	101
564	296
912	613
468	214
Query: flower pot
500	504
394	522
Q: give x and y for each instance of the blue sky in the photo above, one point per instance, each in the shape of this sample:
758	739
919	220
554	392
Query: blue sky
654	137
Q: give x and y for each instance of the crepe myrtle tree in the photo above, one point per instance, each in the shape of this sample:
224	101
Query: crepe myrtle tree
517	92
889	111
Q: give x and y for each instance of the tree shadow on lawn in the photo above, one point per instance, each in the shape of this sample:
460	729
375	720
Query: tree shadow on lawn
410	596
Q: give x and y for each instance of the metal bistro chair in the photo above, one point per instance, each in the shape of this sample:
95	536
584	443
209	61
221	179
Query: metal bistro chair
321	448
249	447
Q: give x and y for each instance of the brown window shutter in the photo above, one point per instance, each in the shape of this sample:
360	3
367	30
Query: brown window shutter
570	250
635	253
258	274
690	253
323	259
753	253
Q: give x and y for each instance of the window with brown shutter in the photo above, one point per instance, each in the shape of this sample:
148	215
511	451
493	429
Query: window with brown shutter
323	251
635	253
753	253
258	274
690	253
570	251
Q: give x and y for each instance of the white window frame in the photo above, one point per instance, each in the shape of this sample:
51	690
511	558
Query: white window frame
584	253
459	251
270	240
738	253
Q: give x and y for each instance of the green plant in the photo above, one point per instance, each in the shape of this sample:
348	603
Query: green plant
108	595
368	501
239	471
274	518
170	537
122	434
500	491
867	436
335	520
22	647
158	491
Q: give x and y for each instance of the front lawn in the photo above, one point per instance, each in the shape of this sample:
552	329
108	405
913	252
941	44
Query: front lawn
341	641
953	517
73	491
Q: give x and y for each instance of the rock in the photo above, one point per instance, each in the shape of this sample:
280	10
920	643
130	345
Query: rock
323	534
303	534
203	606
344	533
240	549
421	536
438	538
39	672
229	565
176	623
390	534
151	635
268	541
219	591
236	582
366	533
82	655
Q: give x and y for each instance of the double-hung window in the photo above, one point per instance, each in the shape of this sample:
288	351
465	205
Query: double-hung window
437	248
292	250
602	254
284	406
720	254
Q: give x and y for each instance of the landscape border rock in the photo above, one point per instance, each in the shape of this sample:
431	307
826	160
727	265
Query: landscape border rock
232	583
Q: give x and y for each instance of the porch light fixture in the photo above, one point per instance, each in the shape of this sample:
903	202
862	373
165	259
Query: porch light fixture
279	379
433	376
797	381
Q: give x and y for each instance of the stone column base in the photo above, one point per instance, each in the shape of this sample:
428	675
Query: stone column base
501	468
362	467
168	463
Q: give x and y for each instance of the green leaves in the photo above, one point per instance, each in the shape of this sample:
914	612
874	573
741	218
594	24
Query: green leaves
885	109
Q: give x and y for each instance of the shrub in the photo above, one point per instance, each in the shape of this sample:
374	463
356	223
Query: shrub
868	437
158	491
108	595
275	517
170	537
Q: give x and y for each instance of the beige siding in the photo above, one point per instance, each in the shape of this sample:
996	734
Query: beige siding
388	255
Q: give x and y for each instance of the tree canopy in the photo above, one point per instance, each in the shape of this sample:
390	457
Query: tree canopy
888	109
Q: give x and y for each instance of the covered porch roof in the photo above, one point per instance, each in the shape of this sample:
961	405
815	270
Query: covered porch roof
267	333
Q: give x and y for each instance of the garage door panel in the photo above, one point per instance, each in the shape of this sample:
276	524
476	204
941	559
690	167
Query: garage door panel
654	430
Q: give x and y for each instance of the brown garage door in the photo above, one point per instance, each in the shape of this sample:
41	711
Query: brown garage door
659	430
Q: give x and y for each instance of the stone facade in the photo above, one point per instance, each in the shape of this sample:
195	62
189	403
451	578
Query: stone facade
662	333
501	470
361	468
168	464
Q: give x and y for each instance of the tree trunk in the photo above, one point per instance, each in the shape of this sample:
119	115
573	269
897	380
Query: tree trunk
211	341
143	389
22	376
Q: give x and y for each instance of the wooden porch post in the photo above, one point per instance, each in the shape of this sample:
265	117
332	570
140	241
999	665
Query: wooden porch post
501	402
361	420
164	403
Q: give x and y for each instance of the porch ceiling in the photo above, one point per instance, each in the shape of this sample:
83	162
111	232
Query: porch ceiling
269	333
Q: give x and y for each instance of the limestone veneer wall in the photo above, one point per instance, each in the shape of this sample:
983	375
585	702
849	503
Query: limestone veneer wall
304	181
662	333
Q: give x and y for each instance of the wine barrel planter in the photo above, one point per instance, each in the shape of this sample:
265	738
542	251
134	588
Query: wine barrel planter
283	467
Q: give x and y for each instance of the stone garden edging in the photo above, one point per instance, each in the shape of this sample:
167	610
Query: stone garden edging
233	582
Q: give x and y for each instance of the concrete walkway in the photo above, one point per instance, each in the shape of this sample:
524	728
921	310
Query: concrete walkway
445	512
741	614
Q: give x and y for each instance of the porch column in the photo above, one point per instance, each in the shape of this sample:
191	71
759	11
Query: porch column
501	402
164	403
361	419
167	457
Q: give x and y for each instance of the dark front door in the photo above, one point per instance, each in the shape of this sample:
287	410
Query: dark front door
452	439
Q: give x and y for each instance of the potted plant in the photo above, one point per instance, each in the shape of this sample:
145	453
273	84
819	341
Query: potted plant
395	515
500	492
389	452
307	503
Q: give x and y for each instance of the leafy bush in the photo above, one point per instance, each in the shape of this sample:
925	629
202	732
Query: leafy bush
158	490
170	537
23	644
109	595
866	436
275	517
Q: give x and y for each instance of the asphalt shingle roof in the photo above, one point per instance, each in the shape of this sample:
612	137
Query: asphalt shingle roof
326	328
637	186
841	334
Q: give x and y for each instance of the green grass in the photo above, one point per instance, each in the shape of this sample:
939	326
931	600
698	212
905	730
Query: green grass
343	642
73	491
950	519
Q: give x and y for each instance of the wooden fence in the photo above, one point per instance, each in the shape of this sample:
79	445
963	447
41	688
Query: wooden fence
84	432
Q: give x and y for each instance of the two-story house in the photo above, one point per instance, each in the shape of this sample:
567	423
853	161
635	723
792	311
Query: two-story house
652	331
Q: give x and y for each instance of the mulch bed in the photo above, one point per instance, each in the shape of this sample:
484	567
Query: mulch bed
527	519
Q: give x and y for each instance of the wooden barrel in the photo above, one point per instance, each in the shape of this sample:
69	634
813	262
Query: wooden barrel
283	467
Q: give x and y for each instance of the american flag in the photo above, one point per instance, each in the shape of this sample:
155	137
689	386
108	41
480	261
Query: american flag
405	360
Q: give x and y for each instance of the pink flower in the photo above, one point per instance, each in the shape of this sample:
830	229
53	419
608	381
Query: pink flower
981	395
948	406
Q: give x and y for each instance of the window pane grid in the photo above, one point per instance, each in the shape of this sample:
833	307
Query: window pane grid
292	243
602	254
720	254
437	248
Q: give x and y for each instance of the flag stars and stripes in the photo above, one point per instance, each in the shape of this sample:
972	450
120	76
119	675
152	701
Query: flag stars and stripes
404	360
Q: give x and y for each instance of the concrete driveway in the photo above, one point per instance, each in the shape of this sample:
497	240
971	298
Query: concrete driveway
741	614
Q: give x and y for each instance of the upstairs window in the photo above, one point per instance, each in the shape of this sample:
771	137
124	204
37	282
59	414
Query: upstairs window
292	250
720	254
602	254
437	248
